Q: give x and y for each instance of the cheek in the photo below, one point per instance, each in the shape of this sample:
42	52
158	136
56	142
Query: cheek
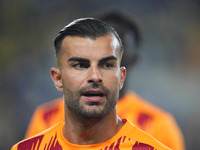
72	81
112	80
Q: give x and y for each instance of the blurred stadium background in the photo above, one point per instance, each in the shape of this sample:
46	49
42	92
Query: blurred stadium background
167	74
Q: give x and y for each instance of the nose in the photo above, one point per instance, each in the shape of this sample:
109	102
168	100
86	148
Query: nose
94	75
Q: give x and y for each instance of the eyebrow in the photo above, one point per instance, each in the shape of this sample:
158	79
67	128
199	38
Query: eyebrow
107	59
80	59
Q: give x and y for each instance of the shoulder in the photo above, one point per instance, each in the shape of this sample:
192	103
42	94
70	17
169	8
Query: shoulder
28	143
142	139
40	139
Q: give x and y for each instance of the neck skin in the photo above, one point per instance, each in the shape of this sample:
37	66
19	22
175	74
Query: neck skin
86	131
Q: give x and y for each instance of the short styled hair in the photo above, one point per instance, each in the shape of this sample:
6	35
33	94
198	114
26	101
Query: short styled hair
85	27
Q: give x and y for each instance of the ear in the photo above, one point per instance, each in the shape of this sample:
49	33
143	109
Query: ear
56	77
122	78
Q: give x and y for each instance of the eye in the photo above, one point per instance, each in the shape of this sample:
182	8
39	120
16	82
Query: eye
107	65
80	65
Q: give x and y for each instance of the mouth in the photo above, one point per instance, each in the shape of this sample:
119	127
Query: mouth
94	95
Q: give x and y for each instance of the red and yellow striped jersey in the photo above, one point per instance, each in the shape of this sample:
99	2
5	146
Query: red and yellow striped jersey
129	137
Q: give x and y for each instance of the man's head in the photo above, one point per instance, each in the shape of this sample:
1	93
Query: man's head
89	54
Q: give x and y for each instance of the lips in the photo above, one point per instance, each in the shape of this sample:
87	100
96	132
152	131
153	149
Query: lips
94	95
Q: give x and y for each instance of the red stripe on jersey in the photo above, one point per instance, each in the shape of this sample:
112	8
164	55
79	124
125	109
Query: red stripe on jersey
31	144
142	146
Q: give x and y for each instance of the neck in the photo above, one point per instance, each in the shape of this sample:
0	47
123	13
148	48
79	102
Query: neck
87	131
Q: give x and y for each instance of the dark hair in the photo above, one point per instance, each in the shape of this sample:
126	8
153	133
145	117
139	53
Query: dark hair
85	27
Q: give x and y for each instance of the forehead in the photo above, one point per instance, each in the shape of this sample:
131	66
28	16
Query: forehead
86	47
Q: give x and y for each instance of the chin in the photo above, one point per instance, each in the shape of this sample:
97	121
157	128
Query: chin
95	113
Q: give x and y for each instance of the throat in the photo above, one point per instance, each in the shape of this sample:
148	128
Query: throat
92	131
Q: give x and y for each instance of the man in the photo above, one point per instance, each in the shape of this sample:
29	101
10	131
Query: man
89	54
143	114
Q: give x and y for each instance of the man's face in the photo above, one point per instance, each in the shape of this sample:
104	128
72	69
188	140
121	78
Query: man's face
90	75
